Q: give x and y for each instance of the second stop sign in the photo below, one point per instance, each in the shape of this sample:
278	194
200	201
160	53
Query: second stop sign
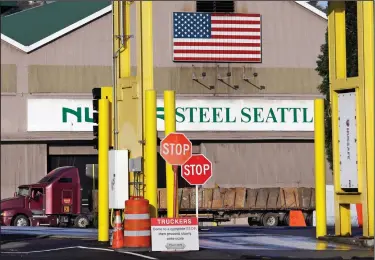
197	170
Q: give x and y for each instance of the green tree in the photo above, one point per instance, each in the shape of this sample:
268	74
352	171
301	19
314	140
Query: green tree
352	68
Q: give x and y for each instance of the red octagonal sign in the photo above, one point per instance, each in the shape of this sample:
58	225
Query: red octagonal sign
176	148
197	170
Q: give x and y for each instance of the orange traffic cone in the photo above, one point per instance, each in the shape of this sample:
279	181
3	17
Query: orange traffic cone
296	219
118	233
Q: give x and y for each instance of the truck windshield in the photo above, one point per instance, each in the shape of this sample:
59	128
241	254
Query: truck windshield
23	191
51	176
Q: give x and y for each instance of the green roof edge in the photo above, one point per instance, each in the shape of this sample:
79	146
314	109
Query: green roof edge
57	34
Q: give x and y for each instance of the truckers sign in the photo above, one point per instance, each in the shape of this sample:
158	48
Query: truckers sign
174	234
197	170
176	148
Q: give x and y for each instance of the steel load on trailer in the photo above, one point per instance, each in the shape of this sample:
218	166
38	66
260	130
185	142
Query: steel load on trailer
264	206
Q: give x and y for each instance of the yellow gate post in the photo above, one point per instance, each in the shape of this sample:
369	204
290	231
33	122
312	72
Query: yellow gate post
151	178
361	88
170	127
103	178
368	64
320	169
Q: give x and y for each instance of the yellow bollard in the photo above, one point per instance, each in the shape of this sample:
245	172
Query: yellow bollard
170	127
320	169
151	179
103	178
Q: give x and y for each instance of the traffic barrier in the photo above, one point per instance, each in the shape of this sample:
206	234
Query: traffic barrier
296	219
118	235
137	223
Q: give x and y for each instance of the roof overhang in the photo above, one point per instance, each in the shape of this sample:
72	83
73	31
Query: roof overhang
312	9
99	14
59	33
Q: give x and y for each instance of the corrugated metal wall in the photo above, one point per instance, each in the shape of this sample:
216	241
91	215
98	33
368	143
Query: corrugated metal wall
21	164
262	164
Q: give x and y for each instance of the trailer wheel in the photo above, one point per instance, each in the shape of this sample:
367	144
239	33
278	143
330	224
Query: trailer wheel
270	220
286	219
21	221
309	219
250	221
81	221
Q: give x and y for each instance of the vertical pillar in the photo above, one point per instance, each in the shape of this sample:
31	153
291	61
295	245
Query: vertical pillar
368	49
103	200
121	69
145	66
170	127
124	54
320	169
151	179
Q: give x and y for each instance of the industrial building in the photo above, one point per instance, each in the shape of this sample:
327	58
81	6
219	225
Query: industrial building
232	112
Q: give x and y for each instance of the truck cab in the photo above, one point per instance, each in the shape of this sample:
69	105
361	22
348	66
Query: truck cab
55	200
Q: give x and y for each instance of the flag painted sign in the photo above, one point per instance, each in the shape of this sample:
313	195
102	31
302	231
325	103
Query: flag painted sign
217	37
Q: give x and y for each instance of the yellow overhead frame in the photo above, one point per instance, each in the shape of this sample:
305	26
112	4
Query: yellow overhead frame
363	87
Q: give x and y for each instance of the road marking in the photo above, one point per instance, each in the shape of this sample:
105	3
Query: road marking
135	254
81	247
41	251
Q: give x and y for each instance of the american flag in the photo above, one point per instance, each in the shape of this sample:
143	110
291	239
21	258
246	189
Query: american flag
216	37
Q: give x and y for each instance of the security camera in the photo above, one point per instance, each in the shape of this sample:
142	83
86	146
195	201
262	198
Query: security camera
255	74
229	74
203	74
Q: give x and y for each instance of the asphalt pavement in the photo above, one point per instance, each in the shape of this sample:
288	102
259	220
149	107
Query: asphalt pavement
233	242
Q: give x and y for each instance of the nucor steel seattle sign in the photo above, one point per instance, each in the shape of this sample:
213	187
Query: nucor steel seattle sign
191	115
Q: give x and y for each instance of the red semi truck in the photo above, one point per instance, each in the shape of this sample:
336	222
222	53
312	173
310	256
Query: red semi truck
54	201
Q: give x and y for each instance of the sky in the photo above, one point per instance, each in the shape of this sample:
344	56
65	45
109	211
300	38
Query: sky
323	3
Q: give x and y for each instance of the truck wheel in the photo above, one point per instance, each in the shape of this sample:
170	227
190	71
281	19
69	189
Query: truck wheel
21	221
81	221
270	220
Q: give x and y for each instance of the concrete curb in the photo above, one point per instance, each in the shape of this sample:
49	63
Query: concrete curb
356	241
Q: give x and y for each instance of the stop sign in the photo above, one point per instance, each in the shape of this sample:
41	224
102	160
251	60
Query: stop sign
197	170
176	148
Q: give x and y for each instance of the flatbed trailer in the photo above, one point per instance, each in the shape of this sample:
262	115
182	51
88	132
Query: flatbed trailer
262	206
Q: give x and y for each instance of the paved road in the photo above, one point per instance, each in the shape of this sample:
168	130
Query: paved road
217	243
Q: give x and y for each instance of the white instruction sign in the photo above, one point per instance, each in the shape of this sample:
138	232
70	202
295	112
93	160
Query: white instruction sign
174	234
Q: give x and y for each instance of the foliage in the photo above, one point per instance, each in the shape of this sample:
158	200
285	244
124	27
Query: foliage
323	69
